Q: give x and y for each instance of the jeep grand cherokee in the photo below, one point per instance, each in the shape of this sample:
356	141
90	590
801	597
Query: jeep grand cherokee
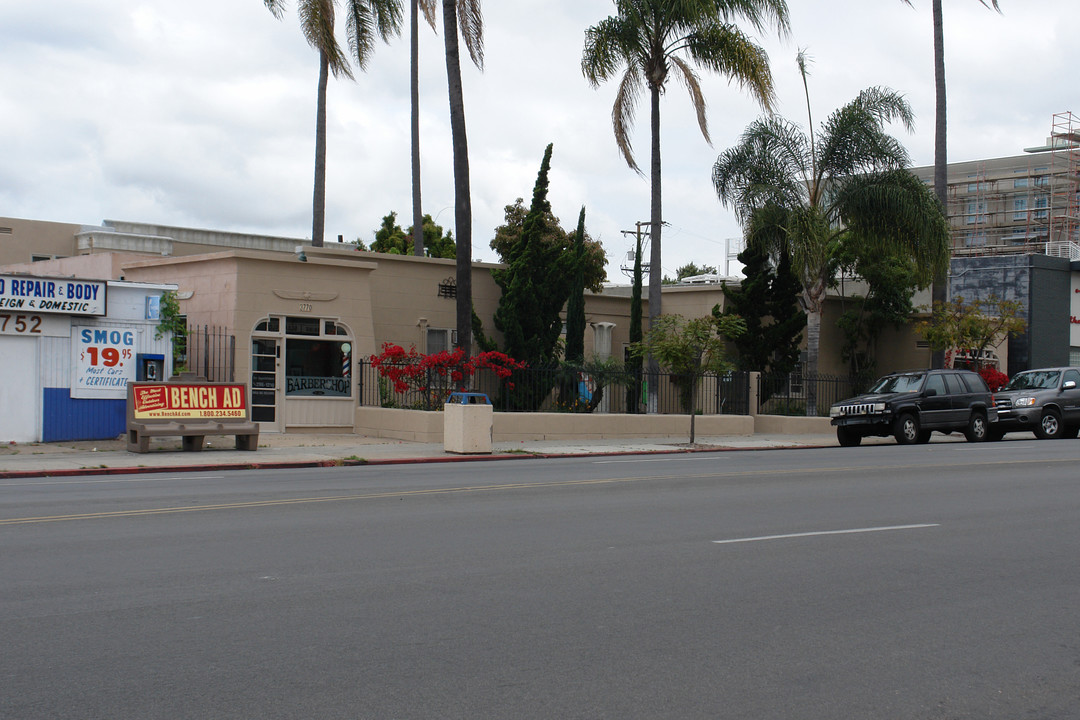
911	405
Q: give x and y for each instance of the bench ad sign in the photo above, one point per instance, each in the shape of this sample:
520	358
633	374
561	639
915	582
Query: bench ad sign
103	362
178	400
52	295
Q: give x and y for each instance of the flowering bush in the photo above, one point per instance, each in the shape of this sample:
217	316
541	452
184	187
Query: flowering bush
994	378
435	376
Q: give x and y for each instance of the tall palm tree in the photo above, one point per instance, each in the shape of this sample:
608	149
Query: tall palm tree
940	292
809	193
364	20
427	7
470	22
647	41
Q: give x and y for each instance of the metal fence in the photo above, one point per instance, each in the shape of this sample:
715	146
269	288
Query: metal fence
566	390
209	352
801	395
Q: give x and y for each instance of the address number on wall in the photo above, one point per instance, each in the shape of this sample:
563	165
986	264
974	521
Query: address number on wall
20	324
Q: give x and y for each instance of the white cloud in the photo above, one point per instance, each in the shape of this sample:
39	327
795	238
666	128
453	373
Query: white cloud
203	114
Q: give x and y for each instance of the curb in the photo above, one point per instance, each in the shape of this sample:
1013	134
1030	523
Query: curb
287	464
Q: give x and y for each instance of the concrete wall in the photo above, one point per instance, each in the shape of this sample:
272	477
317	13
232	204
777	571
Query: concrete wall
22	239
427	426
1041	284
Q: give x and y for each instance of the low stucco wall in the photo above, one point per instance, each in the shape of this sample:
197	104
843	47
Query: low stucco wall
787	425
427	426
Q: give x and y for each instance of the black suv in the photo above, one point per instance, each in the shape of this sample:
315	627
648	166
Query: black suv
910	405
1045	402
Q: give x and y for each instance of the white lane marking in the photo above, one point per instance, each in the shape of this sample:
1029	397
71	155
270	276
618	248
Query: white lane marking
827	532
623	462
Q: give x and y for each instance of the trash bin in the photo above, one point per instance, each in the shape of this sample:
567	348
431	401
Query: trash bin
467	424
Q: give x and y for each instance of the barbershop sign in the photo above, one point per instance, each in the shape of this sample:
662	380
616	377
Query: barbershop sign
52	295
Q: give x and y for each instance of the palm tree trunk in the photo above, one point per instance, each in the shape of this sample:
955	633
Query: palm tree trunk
318	202
656	271
940	291
810	371
462	200
414	42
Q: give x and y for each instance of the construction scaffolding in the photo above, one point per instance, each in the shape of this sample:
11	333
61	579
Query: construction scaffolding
1064	185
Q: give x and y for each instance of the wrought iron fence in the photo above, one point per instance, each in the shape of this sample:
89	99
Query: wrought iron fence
565	389
802	395
209	352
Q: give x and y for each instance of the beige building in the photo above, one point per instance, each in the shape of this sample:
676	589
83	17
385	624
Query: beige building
295	320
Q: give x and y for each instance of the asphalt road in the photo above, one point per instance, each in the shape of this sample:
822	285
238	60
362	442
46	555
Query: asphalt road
936	581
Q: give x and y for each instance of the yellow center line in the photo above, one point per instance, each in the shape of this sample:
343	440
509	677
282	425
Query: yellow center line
494	488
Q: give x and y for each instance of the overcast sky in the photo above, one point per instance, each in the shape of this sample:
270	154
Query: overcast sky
202	113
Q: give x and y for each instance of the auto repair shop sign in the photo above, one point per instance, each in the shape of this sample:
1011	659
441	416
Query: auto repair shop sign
52	295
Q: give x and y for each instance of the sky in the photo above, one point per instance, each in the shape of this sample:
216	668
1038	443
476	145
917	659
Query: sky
202	114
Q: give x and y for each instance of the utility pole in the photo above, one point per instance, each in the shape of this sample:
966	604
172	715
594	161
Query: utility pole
636	335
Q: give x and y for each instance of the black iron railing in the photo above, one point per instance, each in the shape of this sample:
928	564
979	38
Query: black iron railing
799	394
565	389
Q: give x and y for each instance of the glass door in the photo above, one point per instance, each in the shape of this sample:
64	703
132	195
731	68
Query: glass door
265	353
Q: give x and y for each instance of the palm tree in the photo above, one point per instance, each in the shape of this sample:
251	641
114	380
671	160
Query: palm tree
941	162
647	41
470	23
810	193
365	19
428	9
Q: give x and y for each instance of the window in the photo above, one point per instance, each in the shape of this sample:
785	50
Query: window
1041	180
937	383
976	212
1020	208
1073	375
1042	202
1020	182
440	340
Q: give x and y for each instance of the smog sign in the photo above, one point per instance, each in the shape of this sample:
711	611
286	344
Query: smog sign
104	361
23	293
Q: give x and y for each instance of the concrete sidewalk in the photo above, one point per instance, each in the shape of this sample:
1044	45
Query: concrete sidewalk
302	450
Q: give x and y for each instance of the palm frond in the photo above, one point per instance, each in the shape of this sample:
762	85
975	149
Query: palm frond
317	24
727	51
900	213
854	139
690	79
769	166
471	27
427	7
759	13
623	111
365	20
276	7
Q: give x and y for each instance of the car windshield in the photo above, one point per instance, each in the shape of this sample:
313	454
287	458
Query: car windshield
897	383
1034	380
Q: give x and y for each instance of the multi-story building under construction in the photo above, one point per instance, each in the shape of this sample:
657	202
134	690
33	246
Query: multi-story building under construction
1024	204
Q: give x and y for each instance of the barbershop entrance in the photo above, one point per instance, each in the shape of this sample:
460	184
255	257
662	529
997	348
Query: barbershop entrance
301	375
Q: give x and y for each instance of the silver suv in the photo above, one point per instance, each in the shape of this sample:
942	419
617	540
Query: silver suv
1045	402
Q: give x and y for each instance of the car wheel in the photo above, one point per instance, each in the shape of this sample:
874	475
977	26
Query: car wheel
1049	427
906	429
976	428
847	437
994	434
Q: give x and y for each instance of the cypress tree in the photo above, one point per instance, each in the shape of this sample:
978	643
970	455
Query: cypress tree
575	305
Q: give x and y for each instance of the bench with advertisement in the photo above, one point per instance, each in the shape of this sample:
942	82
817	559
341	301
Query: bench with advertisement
191	409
